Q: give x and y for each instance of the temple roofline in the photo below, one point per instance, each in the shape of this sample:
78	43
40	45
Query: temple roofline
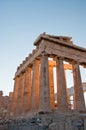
64	40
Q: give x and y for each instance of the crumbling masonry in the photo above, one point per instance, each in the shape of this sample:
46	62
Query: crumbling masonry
34	83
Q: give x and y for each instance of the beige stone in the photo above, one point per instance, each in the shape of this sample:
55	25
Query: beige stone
15	94
35	86
27	90
85	124
44	104
61	86
10	106
78	96
51	83
20	96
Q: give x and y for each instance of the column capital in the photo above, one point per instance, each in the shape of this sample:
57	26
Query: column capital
74	62
36	61
57	58
44	53
16	77
22	73
27	68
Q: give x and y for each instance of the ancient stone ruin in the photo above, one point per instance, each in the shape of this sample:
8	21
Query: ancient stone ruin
4	101
34	83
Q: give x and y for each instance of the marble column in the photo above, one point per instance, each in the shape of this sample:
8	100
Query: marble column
44	84
35	86
20	94
51	82
78	90
68	100
15	94
61	86
27	90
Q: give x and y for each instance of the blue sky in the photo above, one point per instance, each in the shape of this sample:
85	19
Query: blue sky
21	21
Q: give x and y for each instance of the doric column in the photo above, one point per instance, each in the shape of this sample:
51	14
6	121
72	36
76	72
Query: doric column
35	86
27	90
44	84
51	82
15	94
68	101
61	86
20	94
78	90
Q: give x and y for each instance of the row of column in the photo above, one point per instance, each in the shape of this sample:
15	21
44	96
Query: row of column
34	88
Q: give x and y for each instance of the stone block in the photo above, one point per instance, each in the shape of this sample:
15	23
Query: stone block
84	124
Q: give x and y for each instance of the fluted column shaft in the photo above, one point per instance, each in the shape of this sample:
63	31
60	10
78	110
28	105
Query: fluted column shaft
27	90
44	84
61	86
20	94
78	90
51	82
15	94
35	86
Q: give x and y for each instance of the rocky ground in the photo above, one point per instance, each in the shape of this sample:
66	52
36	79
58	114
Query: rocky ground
46	121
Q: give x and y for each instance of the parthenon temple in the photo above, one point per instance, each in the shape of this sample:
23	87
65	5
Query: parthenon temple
34	79
41	89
